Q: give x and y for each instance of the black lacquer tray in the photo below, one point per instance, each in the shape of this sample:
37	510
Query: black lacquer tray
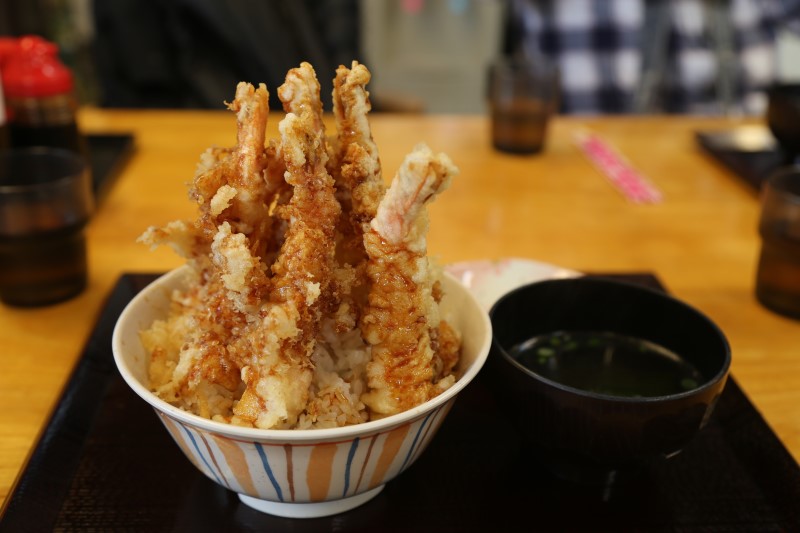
752	162
104	463
108	153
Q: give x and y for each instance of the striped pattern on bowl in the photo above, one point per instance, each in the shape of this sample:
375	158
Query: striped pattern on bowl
299	472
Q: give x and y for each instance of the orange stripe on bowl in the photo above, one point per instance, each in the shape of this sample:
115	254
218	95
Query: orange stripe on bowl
320	469
391	445
237	463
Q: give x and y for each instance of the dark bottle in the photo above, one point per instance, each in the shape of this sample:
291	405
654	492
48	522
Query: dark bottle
40	98
7	45
3	122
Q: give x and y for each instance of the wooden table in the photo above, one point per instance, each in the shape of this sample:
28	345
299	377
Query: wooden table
701	240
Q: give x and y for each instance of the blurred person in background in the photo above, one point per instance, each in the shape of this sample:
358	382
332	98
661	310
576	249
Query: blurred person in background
187	53
637	56
192	53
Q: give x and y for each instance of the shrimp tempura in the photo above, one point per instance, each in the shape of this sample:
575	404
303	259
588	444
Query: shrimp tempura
356	167
279	373
402	316
310	300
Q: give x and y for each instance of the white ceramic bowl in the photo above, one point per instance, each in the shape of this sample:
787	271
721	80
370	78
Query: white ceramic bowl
300	473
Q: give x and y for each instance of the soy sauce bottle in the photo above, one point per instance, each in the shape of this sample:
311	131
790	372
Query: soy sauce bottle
7	46
40	98
3	122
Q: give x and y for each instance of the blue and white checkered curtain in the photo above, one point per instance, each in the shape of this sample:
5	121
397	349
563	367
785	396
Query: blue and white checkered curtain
709	56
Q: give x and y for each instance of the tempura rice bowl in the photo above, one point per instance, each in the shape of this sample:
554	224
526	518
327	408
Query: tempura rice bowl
300	472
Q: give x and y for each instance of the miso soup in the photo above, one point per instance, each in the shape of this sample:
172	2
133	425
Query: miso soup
607	363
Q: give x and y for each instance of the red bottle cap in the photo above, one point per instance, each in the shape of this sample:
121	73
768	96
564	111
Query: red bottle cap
33	69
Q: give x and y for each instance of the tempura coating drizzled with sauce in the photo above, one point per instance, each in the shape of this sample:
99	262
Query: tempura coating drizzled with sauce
312	302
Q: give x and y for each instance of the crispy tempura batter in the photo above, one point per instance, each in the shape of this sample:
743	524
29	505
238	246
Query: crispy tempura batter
359	181
403	314
223	247
359	185
239	175
294	242
278	375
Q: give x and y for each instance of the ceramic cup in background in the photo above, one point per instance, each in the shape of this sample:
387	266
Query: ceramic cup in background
45	202
523	94
778	273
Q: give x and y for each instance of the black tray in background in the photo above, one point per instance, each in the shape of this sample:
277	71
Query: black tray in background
750	152
104	463
108	154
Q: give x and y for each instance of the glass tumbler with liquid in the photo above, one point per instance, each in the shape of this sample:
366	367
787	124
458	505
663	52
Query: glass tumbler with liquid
778	273
522	96
45	203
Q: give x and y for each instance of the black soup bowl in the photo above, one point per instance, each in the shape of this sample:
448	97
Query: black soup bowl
567	360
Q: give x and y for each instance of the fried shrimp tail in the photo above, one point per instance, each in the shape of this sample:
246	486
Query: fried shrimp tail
402	319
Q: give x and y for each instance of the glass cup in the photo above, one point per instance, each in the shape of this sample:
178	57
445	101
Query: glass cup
778	273
45	202
523	94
